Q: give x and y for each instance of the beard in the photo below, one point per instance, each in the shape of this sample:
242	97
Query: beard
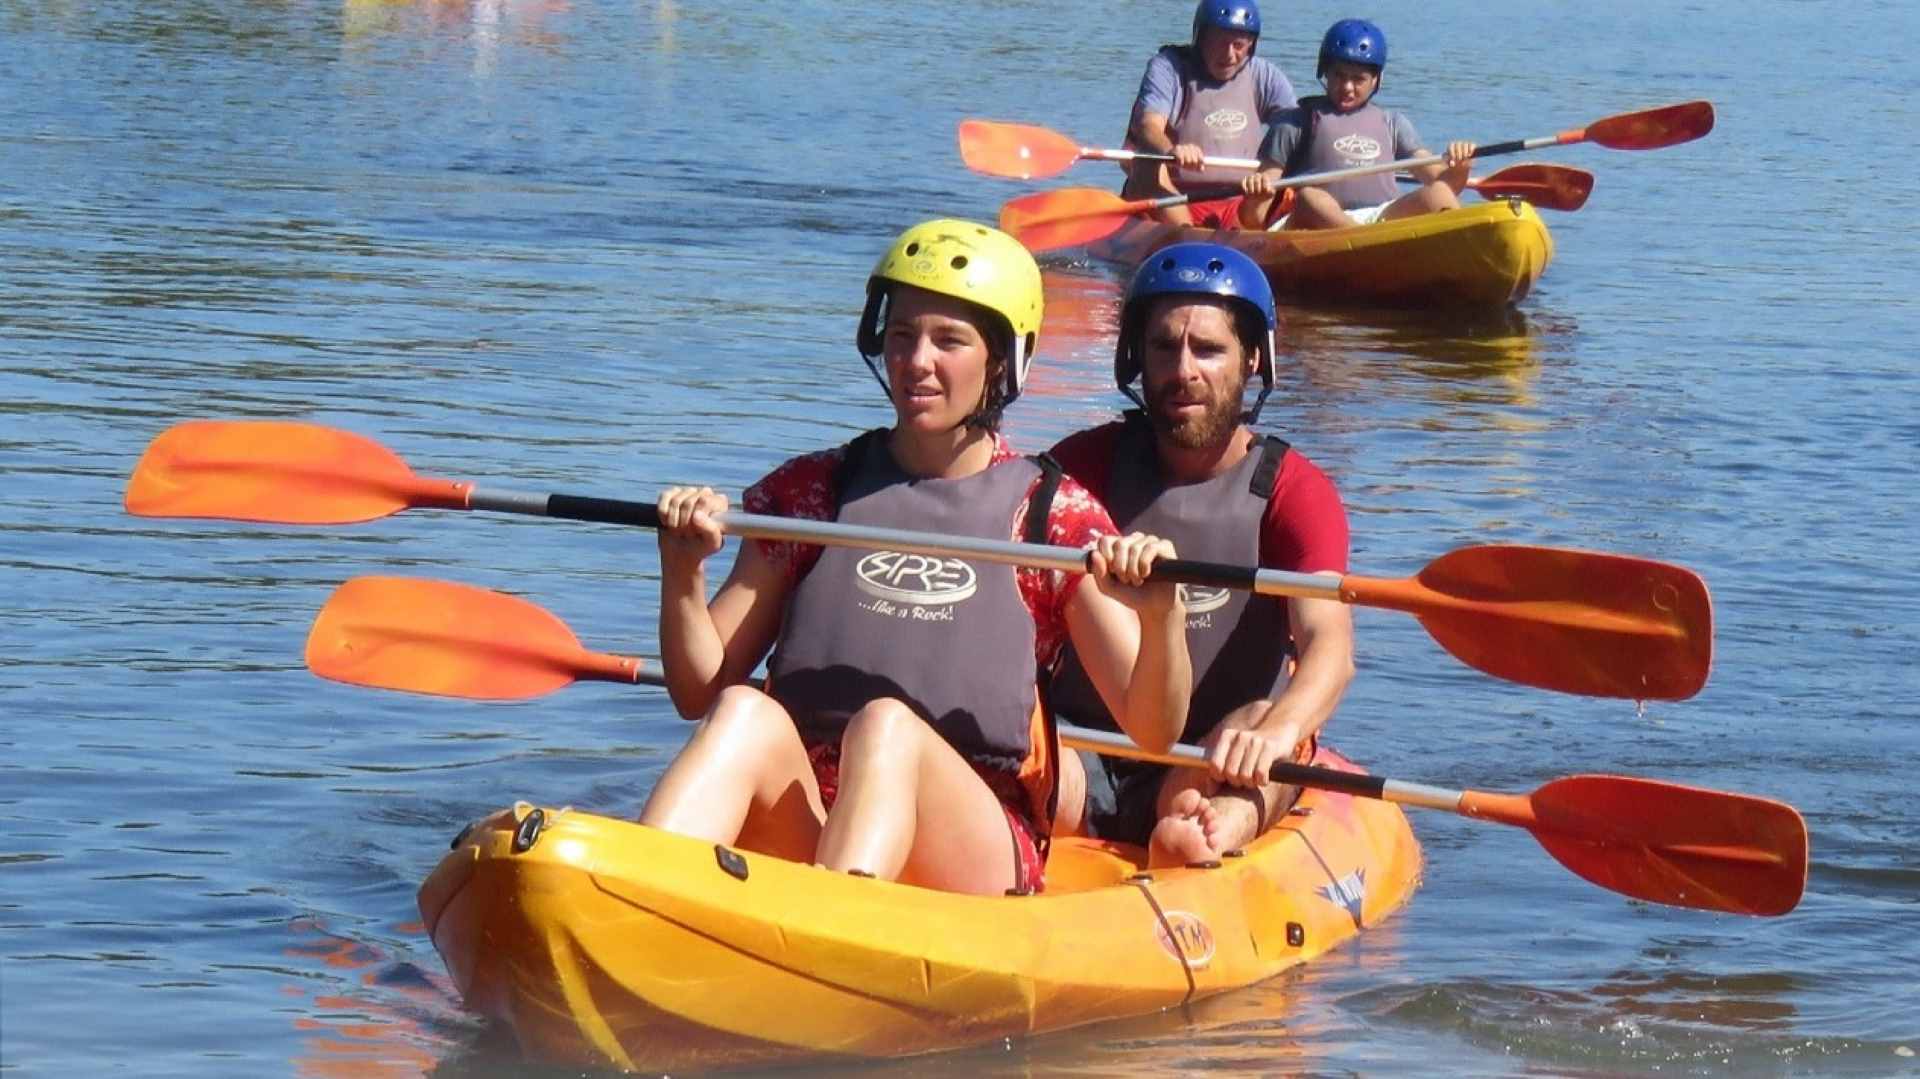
1215	424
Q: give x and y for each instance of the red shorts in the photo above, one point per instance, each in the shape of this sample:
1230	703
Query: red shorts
1225	213
1029	868
1217	213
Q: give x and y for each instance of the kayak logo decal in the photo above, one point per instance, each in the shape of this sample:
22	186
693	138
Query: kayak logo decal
1357	148
1201	598
1185	937
918	579
1349	892
1226	121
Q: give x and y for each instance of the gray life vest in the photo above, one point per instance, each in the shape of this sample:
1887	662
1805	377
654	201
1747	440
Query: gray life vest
1330	140
1222	118
1238	642
950	638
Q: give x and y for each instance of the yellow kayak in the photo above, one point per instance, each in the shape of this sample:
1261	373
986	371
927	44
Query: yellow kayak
601	942
1482	255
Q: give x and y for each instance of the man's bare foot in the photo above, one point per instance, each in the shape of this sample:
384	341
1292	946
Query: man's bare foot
1185	833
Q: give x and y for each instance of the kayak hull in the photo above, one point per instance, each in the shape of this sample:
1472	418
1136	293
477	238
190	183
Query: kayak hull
602	942
1483	255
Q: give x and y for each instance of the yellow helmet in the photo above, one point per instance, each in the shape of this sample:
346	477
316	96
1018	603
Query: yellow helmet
967	261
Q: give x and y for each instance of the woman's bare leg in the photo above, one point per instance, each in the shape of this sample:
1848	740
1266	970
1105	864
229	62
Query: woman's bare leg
911	808
742	778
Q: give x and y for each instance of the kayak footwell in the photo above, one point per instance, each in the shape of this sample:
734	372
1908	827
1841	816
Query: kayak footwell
1486	254
602	942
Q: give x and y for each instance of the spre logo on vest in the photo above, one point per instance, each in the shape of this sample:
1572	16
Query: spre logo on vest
899	577
1360	149
1226	121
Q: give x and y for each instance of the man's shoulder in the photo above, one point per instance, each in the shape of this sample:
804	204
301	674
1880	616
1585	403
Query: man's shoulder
1087	455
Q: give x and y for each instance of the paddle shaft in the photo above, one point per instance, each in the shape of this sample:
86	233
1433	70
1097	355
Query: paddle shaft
1110	744
833	533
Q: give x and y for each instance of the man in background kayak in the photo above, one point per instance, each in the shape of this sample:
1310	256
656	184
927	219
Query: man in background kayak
1211	97
1344	129
1197	324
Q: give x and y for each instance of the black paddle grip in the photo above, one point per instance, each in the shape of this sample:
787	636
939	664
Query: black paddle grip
1307	775
610	511
1194	571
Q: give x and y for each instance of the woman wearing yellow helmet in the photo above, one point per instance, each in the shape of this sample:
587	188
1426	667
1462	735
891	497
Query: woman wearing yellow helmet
899	733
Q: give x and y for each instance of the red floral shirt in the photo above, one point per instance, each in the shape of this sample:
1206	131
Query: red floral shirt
803	487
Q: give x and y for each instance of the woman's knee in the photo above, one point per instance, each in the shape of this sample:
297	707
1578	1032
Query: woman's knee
886	725
743	715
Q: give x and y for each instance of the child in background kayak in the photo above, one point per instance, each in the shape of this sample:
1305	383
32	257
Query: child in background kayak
1344	129
899	734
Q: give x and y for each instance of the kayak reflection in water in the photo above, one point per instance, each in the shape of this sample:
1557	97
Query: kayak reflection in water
899	734
1197	323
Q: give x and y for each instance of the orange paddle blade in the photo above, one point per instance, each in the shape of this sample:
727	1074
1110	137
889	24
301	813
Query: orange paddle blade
1665	842
1651	129
451	640
1552	187
1067	217
1575	621
1015	151
291	473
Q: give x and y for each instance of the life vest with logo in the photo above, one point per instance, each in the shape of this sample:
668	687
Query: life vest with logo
1239	643
1222	118
950	638
1332	140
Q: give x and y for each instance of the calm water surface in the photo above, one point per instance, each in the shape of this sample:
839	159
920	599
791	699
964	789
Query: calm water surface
566	244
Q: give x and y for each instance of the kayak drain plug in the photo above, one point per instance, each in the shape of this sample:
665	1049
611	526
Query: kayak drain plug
529	831
731	862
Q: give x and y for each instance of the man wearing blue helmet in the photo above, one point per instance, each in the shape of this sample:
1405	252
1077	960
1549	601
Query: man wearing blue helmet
1197	325
1209	97
1342	129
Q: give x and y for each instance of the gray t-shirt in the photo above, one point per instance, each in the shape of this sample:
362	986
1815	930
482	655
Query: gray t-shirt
1284	130
1161	88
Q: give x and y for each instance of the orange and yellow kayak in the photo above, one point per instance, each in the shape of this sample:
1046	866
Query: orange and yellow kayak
601	942
1482	255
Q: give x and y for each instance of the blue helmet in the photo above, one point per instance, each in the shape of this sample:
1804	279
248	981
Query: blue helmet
1241	15
1201	269
1356	41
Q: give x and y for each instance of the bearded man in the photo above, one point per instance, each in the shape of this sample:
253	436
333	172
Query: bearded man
1197	325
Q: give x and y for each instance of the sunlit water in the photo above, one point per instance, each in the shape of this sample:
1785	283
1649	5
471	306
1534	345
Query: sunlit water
603	247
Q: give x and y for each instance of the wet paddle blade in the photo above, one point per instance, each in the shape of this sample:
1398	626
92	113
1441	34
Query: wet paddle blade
1550	187
1673	844
1652	129
1068	217
292	473
1015	151
446	639
1573	621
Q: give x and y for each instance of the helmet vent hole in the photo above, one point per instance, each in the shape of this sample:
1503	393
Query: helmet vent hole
913	249
1215	266
959	262
1166	264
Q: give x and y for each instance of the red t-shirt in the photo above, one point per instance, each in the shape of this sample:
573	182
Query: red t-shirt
1303	531
803	487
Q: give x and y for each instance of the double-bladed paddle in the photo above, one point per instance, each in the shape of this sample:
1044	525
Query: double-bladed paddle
1027	152
1072	217
1660	842
1585	622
